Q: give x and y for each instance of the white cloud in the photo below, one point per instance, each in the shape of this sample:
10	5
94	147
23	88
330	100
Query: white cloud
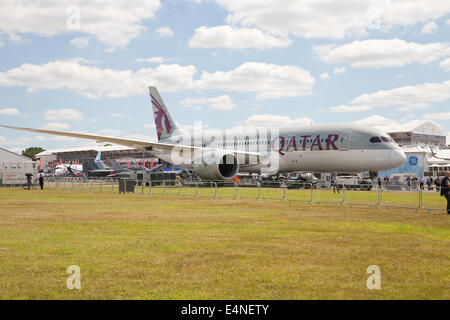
407	97
94	82
56	126
393	125
63	114
345	108
437	116
116	115
331	19
379	122
272	121
445	65
447	22
81	42
235	38
152	60
429	27
325	76
222	102
164	32
9	112
266	80
339	70
115	24
378	53
149	126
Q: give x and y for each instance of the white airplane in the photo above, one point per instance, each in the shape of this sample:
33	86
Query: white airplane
68	169
221	155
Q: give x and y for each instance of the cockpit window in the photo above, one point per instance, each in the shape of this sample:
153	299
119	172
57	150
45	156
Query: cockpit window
375	140
386	139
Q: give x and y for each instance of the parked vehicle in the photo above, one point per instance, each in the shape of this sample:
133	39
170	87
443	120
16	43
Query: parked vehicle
354	183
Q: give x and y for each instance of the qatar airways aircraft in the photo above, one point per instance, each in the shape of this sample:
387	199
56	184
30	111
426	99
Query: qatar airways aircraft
346	148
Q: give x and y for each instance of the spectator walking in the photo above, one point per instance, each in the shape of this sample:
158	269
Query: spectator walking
429	183
437	183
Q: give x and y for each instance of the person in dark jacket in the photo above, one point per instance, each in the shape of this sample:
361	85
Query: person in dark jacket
41	180
445	189
29	176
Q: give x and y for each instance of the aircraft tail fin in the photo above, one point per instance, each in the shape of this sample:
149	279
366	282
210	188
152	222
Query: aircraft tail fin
98	161
98	157
165	126
115	165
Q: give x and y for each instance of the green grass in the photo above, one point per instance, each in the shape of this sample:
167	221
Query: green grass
168	247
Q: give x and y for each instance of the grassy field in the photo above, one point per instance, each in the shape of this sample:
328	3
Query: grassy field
164	247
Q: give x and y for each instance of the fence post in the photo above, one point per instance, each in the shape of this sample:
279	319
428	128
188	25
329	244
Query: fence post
164	185
142	185
196	189
101	186
420	199
313	195
343	194
236	189
259	190
215	190
283	185
380	198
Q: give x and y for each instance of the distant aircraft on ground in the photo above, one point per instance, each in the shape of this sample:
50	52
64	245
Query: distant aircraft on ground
68	170
96	167
121	172
347	148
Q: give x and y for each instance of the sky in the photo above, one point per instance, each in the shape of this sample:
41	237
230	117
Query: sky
85	66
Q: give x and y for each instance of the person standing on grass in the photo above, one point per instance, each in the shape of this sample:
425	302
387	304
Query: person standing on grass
445	189
29	176
379	182
334	182
437	183
429	183
41	180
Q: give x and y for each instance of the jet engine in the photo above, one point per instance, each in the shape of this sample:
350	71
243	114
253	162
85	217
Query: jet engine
215	165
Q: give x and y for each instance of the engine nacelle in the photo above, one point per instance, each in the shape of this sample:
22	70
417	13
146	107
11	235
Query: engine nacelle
216	166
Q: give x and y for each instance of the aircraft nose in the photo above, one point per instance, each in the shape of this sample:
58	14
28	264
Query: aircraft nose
397	158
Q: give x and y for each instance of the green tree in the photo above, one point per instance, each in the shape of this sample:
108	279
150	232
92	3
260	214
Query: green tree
32	152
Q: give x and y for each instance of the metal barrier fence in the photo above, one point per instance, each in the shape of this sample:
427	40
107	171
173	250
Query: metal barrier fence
392	196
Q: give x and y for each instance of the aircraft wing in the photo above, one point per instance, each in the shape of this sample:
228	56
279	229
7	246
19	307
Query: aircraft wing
147	145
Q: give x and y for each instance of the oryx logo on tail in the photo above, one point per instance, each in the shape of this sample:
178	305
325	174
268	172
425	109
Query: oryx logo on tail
165	126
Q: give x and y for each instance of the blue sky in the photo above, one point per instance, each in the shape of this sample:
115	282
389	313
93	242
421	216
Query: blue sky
84	66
